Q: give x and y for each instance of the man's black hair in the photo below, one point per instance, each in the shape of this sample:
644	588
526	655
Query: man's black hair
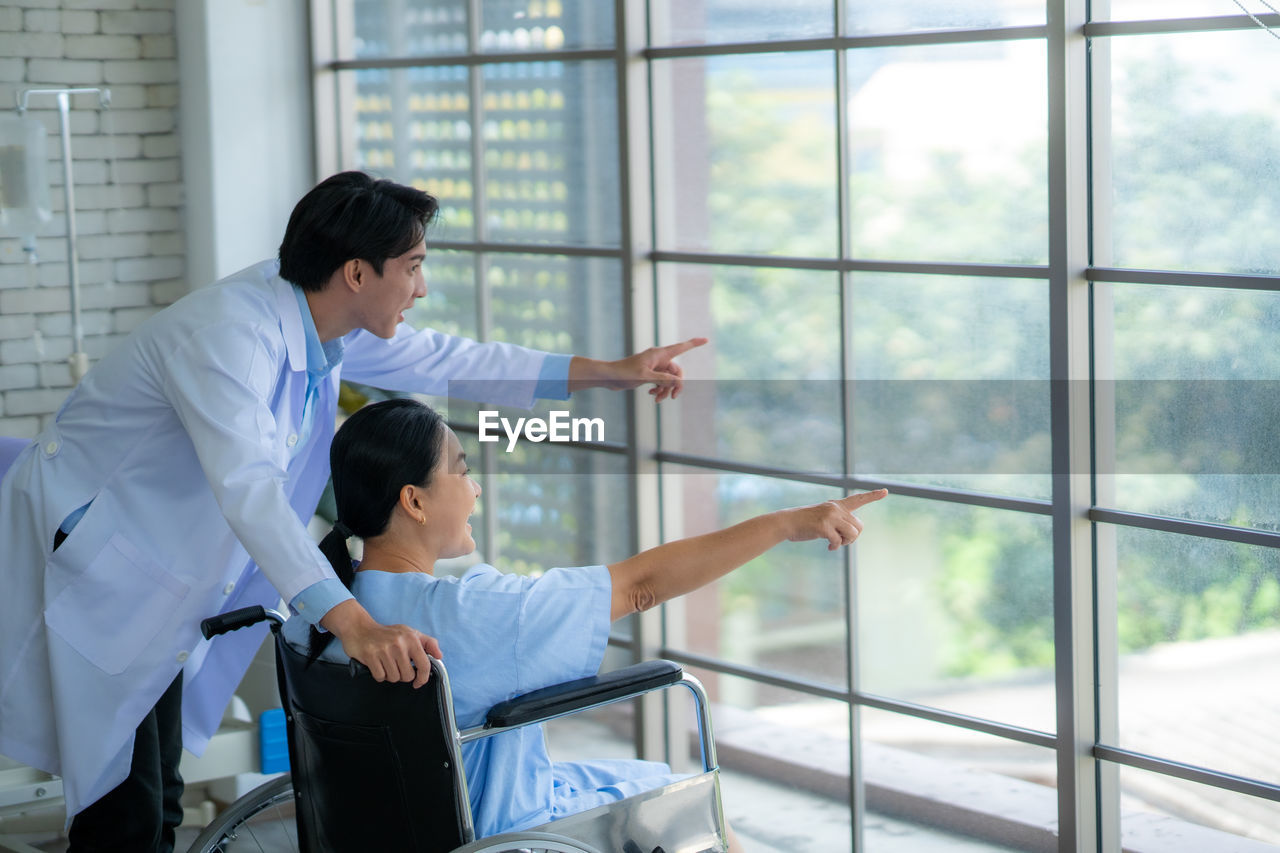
348	216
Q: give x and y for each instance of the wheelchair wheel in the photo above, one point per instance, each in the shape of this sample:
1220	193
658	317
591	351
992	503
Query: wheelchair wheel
259	822
520	842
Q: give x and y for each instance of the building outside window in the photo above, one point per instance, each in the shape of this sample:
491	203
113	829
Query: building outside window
1016	261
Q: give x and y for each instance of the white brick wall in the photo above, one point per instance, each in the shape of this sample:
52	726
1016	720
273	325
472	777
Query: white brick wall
128	182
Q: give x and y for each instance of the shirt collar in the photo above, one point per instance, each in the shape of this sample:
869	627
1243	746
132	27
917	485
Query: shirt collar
321	357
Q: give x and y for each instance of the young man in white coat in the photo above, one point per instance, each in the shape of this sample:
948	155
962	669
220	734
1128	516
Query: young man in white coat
176	480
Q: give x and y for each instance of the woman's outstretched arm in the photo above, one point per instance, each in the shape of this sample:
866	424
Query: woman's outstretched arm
662	573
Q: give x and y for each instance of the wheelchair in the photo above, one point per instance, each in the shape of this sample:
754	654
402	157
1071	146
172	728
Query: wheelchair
377	766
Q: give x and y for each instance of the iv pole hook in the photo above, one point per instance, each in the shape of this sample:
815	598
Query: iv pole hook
78	361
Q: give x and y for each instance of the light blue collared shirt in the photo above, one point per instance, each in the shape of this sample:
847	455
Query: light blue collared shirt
322	358
553	378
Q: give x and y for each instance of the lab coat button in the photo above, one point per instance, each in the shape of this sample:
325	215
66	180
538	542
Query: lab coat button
293	439
182	657
51	448
226	590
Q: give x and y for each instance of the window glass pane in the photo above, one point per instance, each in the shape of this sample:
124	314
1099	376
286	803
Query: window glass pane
775	358
955	609
1194	153
568	306
1198	628
1193	402
1165	813
450	303
784	765
785	610
951	383
524	25
1155	10
561	305
375	29
728	21
926	778
557	303
413	125
942	168
551	153
875	16
555	506
745	154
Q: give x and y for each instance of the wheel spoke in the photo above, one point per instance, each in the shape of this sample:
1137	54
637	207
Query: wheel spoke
261	821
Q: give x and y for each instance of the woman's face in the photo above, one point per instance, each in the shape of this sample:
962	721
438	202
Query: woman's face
450	500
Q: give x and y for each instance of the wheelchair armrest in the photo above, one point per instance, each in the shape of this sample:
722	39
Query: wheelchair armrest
561	699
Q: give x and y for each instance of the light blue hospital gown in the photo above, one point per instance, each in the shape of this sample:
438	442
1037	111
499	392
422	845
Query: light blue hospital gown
503	635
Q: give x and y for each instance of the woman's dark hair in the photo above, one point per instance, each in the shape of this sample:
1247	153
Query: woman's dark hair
351	215
379	449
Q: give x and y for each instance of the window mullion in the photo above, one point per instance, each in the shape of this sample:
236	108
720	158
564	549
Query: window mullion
1073	592
653	734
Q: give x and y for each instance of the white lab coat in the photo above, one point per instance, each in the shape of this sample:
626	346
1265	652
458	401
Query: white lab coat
184	440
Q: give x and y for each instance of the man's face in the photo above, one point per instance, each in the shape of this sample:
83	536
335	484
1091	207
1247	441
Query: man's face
385	297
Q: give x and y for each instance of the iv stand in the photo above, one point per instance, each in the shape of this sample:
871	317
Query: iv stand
78	361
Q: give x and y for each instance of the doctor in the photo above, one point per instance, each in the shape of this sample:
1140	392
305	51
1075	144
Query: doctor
176	481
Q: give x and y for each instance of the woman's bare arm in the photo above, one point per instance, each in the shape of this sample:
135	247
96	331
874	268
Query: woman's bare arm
675	568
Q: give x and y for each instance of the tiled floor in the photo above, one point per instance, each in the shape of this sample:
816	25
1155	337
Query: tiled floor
772	819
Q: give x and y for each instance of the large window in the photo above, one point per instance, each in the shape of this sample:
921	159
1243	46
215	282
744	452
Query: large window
1017	261
508	114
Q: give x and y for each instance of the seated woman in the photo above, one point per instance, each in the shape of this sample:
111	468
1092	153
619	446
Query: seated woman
401	483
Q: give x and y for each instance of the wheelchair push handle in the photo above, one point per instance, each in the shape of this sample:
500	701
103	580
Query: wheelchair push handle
359	670
234	620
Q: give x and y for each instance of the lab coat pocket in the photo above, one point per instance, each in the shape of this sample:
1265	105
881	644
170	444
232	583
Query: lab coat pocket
112	610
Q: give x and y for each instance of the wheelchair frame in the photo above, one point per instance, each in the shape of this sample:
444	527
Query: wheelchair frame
686	815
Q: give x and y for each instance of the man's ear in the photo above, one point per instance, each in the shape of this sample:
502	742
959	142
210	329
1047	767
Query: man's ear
353	275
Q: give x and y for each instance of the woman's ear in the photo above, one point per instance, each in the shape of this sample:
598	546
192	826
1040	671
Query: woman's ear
411	500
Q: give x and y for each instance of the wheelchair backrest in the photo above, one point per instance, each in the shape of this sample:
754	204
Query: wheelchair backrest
373	763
